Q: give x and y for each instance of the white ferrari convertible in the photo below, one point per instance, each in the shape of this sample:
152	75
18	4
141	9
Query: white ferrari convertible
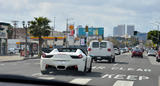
73	59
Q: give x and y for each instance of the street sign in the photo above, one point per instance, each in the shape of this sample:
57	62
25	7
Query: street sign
71	27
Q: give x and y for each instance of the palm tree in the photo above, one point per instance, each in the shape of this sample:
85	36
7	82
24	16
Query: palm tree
39	27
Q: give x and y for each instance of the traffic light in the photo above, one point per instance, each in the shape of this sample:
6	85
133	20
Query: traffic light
85	40
86	28
135	33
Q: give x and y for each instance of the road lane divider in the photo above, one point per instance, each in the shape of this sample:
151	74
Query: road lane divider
36	74
81	81
47	78
123	83
131	69
99	67
125	77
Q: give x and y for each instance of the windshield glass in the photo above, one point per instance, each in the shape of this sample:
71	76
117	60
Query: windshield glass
86	42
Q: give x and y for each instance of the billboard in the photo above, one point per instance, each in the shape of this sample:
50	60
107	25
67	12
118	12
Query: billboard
91	31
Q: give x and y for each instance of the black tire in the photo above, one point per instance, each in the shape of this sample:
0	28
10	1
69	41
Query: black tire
90	69
113	60
45	72
141	56
95	60
110	60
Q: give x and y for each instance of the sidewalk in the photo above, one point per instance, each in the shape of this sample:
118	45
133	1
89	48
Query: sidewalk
16	57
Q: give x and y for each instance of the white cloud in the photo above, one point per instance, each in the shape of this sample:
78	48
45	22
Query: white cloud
107	13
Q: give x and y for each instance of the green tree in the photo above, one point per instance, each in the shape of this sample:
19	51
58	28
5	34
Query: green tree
39	28
153	35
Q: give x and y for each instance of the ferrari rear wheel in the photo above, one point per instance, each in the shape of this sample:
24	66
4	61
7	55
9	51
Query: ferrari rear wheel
90	69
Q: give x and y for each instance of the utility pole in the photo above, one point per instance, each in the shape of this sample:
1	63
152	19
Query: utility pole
26	41
67	32
15	26
53	26
67	43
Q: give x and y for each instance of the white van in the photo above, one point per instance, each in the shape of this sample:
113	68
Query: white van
101	50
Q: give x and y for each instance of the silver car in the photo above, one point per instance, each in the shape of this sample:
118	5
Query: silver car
152	53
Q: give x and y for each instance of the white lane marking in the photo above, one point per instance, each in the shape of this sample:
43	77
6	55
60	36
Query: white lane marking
123	83
115	64
81	81
143	77
93	67
47	78
101	67
107	75
36	74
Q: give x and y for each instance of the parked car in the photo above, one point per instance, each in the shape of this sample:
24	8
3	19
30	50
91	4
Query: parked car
117	51
152	53
158	56
101	50
137	52
11	50
73	59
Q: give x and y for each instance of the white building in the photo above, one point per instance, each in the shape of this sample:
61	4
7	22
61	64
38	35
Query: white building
3	37
130	30
119	30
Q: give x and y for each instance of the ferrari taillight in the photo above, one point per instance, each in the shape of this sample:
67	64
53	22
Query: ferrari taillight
43	55
80	56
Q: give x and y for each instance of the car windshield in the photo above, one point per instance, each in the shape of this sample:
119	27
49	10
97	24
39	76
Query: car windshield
138	50
86	42
152	51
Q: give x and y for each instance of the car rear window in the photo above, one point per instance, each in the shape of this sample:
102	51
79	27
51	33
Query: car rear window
103	45
95	45
138	50
67	49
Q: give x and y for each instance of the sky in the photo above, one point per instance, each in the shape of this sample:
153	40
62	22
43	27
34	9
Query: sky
144	14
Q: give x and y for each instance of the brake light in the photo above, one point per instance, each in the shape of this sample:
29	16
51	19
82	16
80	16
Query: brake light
80	56
43	55
109	49
89	49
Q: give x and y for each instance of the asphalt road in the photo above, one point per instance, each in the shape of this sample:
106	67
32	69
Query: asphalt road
126	71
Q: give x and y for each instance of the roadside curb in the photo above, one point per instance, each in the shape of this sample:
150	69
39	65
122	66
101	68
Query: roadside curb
20	59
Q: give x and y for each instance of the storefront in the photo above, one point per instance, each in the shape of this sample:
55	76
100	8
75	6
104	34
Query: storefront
3	38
